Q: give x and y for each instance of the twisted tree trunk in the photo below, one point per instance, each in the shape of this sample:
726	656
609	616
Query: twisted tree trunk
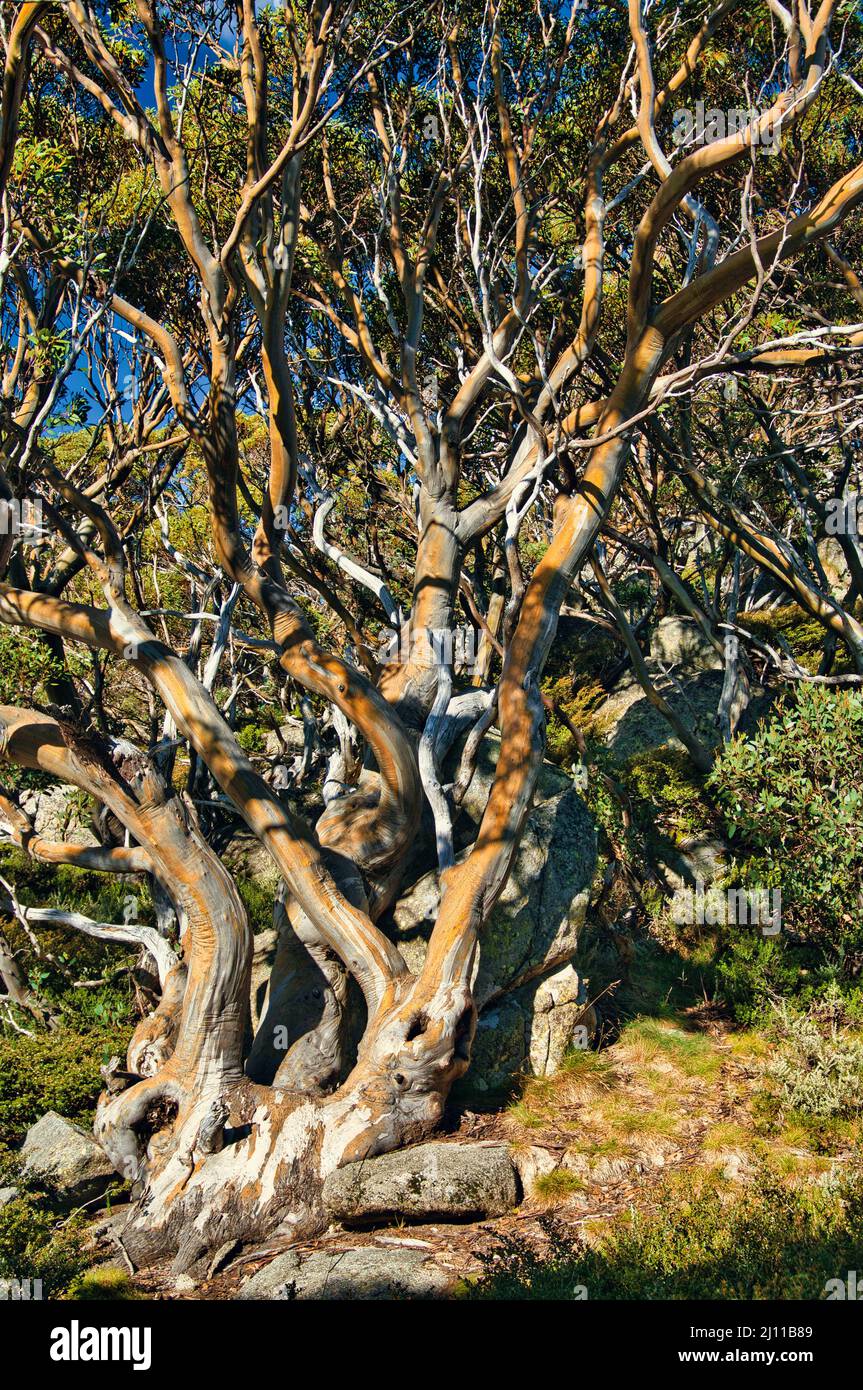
228	1141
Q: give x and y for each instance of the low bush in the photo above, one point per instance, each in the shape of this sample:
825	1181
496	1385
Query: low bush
38	1243
792	799
819	1069
701	1240
51	1071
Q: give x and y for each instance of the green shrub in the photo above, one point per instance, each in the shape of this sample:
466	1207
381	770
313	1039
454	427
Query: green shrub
37	1243
793	794
51	1071
820	1069
26	665
252	738
768	1241
792	799
753	972
67	954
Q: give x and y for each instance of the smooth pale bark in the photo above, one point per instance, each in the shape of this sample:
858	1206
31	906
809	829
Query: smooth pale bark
220	1155
219	943
119	860
472	888
367	953
411	683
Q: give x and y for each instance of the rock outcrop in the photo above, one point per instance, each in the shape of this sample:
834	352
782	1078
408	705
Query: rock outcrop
430	1182
66	1158
365	1272
530	996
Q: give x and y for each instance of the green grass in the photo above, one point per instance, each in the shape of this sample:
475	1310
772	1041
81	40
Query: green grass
692	1053
589	1066
105	1283
726	1135
628	1121
557	1185
701	1240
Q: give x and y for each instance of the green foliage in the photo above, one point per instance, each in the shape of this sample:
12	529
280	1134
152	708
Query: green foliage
104	1284
67	954
252	738
51	1071
789	625
770	1241
258	901
26	665
819	1068
754	971
792	798
38	1243
666	789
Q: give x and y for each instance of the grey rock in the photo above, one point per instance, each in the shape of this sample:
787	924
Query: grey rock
246	857
427	1182
61	1154
699	857
532	1162
58	814
835	565
536	921
499	1052
679	642
552	781
556	1006
7	1195
293	736
737	1167
533	932
295	994
630	724
365	1272
529	1031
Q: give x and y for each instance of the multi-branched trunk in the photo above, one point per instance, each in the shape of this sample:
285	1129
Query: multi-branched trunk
213	1154
218	1154
223	1136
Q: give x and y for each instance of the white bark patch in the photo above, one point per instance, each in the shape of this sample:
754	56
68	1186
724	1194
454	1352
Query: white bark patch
345	1122
292	1142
